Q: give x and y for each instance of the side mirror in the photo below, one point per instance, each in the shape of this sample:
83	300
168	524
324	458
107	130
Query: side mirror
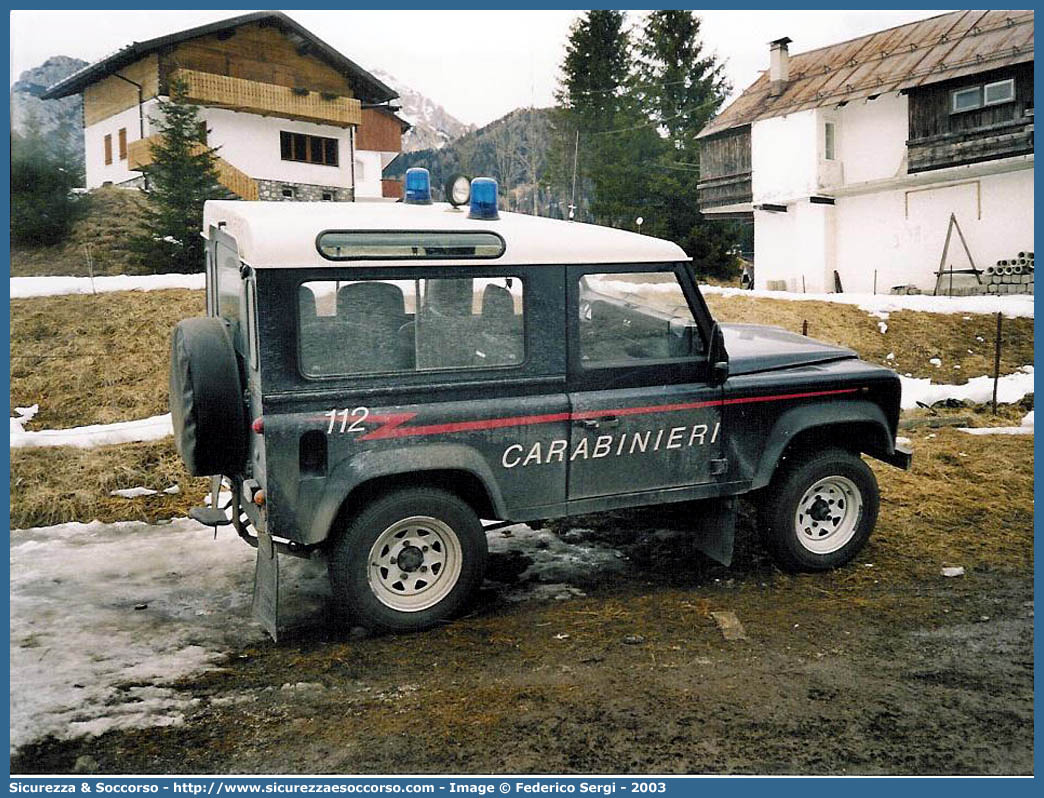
717	356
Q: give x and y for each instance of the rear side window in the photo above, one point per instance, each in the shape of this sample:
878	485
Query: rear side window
228	282
626	318
349	327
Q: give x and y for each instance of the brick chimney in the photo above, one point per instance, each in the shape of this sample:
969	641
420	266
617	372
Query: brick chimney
779	66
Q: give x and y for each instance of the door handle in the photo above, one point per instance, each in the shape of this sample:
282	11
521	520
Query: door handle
591	423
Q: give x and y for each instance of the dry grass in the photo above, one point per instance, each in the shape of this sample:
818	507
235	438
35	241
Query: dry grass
968	500
56	485
95	359
914	337
112	219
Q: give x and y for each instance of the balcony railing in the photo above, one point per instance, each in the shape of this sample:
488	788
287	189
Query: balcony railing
139	154
268	99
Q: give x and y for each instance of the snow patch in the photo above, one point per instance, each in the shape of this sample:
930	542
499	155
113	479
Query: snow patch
1025	429
1011	305
1010	389
24	287
24	416
77	640
106	617
556	565
145	429
134	493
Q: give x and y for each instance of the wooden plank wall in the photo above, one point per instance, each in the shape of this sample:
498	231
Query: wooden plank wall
725	177
725	155
256	52
930	105
379	131
112	95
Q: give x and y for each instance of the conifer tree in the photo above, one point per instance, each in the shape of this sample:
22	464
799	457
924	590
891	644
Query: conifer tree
181	177
680	87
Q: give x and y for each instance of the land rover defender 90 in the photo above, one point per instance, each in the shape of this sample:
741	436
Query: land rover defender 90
372	379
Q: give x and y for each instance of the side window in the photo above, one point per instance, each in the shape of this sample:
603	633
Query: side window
251	320
228	282
394	326
627	318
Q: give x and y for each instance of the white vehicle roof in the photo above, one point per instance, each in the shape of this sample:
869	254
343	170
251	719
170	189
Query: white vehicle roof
283	234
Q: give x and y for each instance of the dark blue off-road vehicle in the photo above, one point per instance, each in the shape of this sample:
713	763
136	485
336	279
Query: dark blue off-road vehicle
373	379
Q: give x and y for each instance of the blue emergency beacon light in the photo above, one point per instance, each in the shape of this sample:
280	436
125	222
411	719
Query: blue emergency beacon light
417	186
483	199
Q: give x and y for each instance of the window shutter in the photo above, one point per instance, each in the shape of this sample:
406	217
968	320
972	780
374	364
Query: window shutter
108	149
123	144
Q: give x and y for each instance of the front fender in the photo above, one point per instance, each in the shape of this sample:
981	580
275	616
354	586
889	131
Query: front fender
798	420
367	466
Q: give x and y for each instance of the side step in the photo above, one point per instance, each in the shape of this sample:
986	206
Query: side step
210	516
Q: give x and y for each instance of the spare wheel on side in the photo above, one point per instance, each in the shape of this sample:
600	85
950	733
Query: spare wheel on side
206	398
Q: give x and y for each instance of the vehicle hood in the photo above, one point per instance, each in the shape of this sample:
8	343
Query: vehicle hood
756	347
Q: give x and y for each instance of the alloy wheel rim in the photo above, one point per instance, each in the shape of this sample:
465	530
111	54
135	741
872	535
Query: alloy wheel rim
828	514
414	563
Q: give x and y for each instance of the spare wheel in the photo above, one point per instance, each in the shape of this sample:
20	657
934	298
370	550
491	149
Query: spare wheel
206	398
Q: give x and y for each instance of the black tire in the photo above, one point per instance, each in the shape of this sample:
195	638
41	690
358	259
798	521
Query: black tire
364	588
206	398
836	519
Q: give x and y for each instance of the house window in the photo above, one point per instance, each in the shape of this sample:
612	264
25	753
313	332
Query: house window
1002	91
123	143
360	171
829	135
108	149
972	97
307	149
328	196
288	192
967	99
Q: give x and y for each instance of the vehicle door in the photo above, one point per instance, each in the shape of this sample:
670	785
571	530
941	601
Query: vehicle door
644	414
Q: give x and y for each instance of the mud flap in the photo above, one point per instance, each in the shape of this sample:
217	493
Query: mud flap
716	529
266	585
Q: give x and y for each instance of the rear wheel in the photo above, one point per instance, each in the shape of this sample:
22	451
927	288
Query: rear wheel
409	560
819	510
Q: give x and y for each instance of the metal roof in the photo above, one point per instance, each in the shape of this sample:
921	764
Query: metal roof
369	88
283	234
917	54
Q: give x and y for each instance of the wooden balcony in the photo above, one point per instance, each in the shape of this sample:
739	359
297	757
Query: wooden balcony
139	154
268	99
726	190
987	143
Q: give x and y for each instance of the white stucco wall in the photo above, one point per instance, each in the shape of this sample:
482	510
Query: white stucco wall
794	245
251	144
871	138
367	173
784	157
882	219
901	232
94	146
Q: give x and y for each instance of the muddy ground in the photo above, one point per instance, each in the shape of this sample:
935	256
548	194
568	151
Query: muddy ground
870	669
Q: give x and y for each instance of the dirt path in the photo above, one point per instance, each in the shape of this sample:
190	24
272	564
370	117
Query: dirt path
884	666
932	677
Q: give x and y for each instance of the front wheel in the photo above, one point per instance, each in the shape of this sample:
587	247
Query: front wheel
409	560
819	510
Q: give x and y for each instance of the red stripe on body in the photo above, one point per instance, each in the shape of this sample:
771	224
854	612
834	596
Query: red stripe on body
391	424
